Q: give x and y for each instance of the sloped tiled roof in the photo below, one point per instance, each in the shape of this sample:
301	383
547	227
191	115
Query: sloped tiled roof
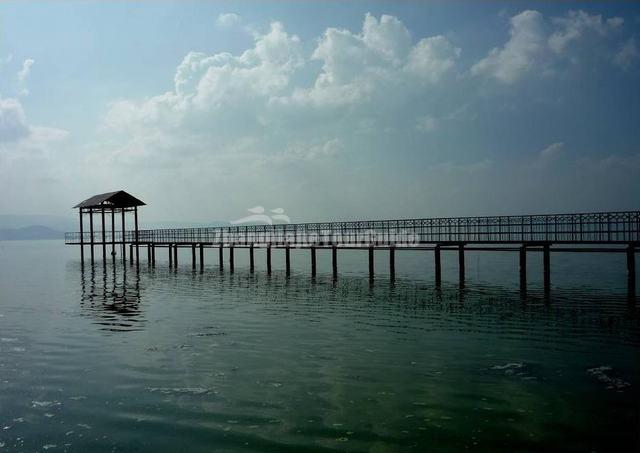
118	199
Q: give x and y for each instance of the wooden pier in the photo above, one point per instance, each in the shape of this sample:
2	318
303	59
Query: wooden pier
598	232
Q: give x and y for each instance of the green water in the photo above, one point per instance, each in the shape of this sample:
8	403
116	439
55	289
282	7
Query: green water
114	359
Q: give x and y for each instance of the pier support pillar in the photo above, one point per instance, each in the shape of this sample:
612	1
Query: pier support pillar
461	262
631	270
131	253
546	267
113	234
153	255
91	232
287	259
175	255
201	257
251	260
170	255
438	264
221	257
231	258
523	267
193	256
149	254
313	261
334	261
135	213
104	237
392	263
81	240
268	259
124	242
371	270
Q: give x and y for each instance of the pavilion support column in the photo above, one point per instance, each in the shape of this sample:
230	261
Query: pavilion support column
392	263
287	259
523	267
221	257
461	267
371	270
81	240
438	264
251	261
334	261
546	263
313	261
131	253
124	241
170	255
193	256
231	258
113	234
104	237
631	269
135	214
269	259
92	241
201	256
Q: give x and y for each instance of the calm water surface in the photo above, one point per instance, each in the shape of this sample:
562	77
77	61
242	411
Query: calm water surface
110	359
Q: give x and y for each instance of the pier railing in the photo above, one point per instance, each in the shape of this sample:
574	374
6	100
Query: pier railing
586	228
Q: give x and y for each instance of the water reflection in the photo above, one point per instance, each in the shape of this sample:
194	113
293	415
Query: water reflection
112	297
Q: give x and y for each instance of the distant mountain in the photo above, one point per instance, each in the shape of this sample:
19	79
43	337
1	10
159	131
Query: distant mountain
30	232
58	223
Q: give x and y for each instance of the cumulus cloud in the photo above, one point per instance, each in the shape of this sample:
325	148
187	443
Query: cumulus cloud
228	20
538	46
551	152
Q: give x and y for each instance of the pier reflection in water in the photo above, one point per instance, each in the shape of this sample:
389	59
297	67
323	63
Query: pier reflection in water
111	296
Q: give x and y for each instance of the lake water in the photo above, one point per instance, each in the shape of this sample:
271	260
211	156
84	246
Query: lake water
114	359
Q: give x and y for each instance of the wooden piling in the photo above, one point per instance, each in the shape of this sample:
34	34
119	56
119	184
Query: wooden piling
523	267
113	234
231	259
251	260
334	261
287	259
461	268
153	255
135	213
104	237
91	240
269	259
149	254
170	255
175	255
124	243
631	269
546	267
392	263
313	261
81	240
193	256
131	253
371	273
201	256
438	264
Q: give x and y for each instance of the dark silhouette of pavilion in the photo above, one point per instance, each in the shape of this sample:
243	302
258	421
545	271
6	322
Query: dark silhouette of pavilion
114	202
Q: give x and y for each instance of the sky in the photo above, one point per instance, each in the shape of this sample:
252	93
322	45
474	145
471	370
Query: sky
326	110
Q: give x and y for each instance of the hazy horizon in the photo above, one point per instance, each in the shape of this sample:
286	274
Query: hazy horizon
326	110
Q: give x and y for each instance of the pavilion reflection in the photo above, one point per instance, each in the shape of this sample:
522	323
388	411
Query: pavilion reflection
112	297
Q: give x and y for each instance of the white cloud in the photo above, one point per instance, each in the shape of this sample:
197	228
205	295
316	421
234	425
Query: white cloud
23	75
228	20
536	46
551	152
13	122
427	124
628	54
522	53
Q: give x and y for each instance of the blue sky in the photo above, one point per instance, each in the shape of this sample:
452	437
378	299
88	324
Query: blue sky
326	109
